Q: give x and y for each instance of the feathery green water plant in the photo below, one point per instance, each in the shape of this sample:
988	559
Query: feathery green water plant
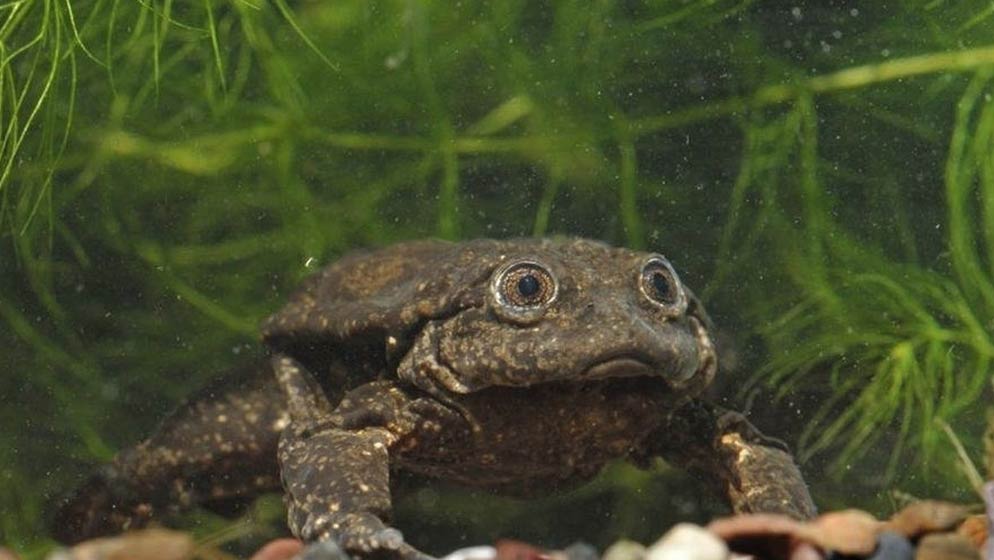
889	348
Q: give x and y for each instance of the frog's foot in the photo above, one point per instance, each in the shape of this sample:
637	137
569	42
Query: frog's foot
729	421
103	505
362	535
762	474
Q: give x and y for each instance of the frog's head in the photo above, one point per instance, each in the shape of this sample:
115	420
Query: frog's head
566	310
463	317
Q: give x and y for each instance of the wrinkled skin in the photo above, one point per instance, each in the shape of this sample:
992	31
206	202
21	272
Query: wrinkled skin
519	366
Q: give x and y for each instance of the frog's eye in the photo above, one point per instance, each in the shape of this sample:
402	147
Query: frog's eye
525	285
661	285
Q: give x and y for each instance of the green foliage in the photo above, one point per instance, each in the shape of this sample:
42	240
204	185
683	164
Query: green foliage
902	345
170	169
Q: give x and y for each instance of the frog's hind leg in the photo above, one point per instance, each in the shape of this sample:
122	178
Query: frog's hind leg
218	447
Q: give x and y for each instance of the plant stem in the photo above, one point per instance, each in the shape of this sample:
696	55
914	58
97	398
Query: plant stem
850	78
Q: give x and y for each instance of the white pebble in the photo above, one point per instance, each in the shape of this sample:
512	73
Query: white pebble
687	541
472	553
624	550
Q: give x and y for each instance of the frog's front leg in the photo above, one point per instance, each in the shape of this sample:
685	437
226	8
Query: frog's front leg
756	473
335	464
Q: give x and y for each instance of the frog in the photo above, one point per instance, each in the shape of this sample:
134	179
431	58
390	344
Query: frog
519	366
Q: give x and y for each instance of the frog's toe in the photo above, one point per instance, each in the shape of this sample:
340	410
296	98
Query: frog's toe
385	542
359	535
98	507
387	545
387	539
322	550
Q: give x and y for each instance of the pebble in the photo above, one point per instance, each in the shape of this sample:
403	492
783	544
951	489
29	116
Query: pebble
806	551
472	553
890	546
687	541
322	550
945	546
927	516
279	549
988	495
581	551
625	550
147	544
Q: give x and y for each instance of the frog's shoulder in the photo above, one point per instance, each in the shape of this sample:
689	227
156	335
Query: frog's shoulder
376	295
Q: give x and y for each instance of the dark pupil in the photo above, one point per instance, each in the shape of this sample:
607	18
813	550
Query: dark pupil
661	285
528	285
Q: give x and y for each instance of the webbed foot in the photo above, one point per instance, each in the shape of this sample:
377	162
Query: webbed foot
103	505
763	476
336	474
348	536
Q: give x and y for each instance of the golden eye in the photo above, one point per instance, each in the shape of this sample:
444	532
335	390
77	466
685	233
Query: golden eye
660	284
525	285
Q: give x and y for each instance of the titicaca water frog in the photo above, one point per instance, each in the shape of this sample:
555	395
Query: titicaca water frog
519	366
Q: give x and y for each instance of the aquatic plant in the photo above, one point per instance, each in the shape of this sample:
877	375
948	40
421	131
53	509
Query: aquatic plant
902	344
170	169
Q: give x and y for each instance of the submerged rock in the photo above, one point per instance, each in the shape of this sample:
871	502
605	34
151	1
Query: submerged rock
279	549
892	546
974	528
580	551
927	516
148	544
687	541
946	546
472	553
849	532
625	550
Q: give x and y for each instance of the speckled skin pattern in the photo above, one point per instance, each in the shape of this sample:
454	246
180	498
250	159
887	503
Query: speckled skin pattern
520	366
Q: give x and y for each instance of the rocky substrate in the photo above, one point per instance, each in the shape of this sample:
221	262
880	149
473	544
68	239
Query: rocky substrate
925	530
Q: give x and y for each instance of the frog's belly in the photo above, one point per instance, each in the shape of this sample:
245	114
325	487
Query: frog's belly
551	435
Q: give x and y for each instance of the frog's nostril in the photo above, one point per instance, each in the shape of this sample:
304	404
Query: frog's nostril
586	311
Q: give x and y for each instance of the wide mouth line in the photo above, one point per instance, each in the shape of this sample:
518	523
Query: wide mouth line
644	384
626	364
615	356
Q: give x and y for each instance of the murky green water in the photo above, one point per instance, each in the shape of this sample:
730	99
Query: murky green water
821	174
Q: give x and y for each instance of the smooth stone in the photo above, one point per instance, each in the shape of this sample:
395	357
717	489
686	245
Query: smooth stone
625	550
946	546
581	551
687	541
472	553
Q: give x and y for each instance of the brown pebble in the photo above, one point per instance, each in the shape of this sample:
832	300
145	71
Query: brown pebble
279	549
852	532
745	525
7	554
974	528
927	516
516	550
148	544
806	551
945	546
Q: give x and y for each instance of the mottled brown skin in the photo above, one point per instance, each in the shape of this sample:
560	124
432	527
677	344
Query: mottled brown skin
519	366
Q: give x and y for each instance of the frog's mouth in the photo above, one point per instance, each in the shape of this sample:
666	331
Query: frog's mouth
688	378
620	366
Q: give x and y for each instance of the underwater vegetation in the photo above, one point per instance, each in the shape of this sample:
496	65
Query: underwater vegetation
822	173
